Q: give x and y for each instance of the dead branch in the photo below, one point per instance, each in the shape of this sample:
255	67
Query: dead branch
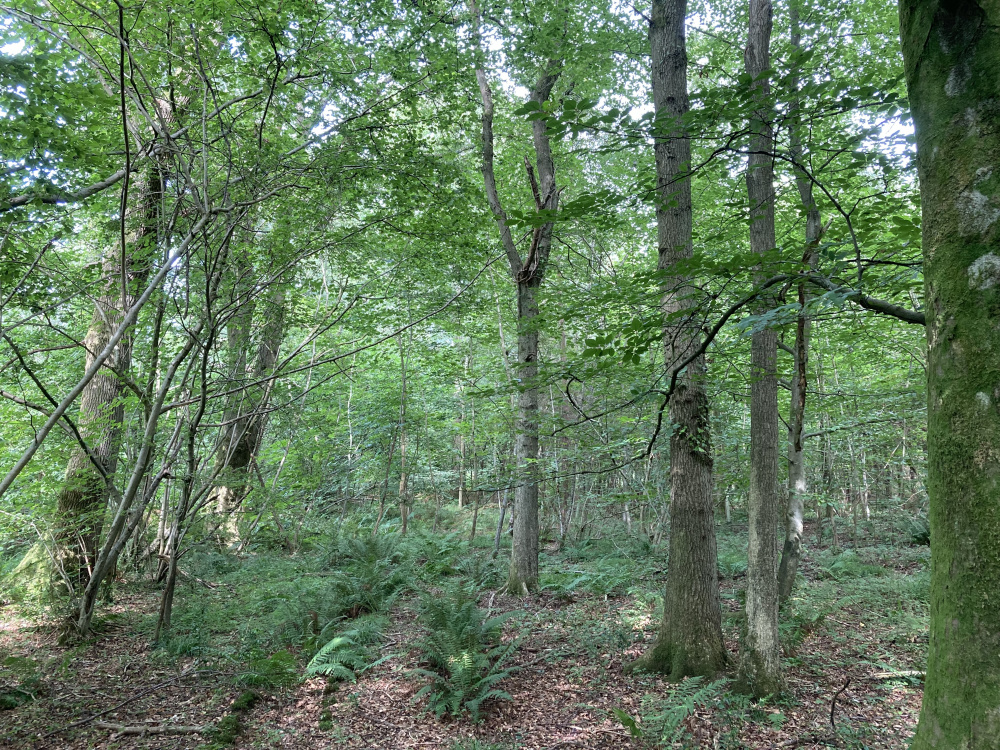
833	703
143	729
137	696
914	673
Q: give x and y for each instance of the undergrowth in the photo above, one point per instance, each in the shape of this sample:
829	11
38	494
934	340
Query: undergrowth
663	716
462	652
351	651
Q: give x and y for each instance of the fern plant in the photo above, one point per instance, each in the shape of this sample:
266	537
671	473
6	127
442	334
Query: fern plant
665	723
278	670
371	574
463	655
349	654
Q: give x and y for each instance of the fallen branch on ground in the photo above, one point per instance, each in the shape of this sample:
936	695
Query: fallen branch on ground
894	675
141	729
137	696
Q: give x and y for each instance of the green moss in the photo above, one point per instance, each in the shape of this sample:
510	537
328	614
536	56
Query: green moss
326	721
952	53
34	577
230	726
680	660
516	586
227	730
246	700
756	679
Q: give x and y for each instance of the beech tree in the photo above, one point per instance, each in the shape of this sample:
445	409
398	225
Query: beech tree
952	54
760	654
527	268
90	475
792	551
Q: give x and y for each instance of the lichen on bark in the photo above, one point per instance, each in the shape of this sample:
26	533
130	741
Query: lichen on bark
952	54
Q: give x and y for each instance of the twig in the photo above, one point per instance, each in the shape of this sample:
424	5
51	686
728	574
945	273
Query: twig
137	696
833	703
818	738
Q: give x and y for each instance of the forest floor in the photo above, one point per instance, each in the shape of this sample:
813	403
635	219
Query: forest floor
858	619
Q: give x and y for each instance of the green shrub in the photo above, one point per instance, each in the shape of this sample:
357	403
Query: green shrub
797	624
463	654
481	570
631	548
370	574
436	556
25	685
564	585
278	670
610	575
732	562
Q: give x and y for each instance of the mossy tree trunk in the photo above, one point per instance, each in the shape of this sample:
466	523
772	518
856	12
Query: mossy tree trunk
952	60
247	415
690	638
760	653
83	500
523	576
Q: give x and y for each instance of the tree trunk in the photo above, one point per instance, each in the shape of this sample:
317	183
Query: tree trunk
474	461
527	272
797	487
951	52
690	639
403	508
243	432
524	554
503	513
231	440
760	656
84	497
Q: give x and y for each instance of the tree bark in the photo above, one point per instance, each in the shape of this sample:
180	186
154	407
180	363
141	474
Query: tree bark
951	52
690	639
528	273
245	423
84	497
523	575
797	488
403	476
760	655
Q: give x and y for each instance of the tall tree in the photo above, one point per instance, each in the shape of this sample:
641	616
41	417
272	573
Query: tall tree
690	639
246	415
527	273
951	51
797	488
760	654
92	465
